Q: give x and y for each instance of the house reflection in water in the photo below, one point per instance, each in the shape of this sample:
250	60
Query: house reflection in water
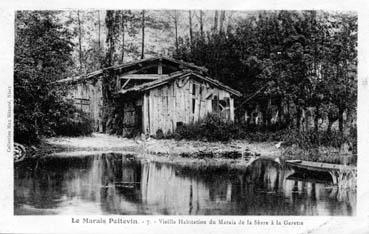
116	184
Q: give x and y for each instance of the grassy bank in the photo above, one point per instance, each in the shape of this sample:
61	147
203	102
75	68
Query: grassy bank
213	137
309	145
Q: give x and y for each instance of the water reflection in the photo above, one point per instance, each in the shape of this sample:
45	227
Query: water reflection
117	184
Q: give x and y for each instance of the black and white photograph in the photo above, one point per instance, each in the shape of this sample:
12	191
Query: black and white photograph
185	112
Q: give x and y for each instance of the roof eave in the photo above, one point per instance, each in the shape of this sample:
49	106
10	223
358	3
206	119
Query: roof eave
132	63
219	84
147	86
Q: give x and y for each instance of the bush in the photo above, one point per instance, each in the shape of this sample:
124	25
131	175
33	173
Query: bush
74	122
25	131
211	128
159	134
61	119
310	139
214	128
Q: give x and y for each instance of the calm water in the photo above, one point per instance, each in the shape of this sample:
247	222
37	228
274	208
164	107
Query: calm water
117	184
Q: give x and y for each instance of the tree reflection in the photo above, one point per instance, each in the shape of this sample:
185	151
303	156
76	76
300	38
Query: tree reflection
120	184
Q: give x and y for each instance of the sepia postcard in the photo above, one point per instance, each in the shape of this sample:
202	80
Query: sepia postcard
194	117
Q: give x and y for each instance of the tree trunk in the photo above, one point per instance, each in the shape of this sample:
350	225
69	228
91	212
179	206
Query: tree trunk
99	29
143	34
123	32
288	115
269	113
329	128
201	24
340	119
316	118
281	117
298	119
221	21
190	24
331	119
99	39
176	29
215	28
80	43
109	85
349	117
307	119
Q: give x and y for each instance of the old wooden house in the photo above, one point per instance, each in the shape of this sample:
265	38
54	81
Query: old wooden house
154	95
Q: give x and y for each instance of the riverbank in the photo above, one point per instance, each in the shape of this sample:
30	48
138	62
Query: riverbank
236	154
104	142
234	151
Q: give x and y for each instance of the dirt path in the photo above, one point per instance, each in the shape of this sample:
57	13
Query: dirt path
103	142
96	142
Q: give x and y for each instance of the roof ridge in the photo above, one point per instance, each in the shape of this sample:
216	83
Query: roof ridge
158	82
131	63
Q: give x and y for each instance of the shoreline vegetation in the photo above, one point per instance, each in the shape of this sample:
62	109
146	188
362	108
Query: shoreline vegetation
214	138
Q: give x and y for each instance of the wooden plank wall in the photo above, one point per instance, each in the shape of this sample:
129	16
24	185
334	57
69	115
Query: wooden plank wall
96	104
162	108
132	122
166	106
88	97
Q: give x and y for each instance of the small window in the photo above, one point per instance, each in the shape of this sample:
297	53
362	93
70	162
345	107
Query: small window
179	124
225	103
193	89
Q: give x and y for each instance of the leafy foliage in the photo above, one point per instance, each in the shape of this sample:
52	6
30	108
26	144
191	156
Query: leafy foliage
214	128
72	122
296	59
42	56
211	128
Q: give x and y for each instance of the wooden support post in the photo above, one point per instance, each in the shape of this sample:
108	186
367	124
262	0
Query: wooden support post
160	68
125	83
145	114
117	87
231	110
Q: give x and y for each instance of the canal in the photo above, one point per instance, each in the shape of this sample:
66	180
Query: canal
122	184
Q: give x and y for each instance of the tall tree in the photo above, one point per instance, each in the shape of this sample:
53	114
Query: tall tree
221	21
175	17
201	22
143	34
314	66
100	48
215	25
80	42
99	30
190	26
123	25
112	22
342	81
42	55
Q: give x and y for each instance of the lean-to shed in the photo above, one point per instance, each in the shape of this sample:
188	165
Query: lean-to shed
176	99
154	94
